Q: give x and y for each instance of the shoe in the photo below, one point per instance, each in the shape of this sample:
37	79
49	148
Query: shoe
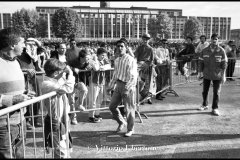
81	108
142	103
149	101
29	126
232	79
93	120
98	117
203	108
121	126
74	121
128	134
215	112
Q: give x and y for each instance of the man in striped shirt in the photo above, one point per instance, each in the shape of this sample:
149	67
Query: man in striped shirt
125	77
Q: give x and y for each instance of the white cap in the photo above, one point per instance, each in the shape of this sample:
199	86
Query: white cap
38	43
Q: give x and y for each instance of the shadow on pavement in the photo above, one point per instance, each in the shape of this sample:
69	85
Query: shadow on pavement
224	153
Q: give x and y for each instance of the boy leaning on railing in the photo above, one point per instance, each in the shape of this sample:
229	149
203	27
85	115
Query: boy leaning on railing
59	78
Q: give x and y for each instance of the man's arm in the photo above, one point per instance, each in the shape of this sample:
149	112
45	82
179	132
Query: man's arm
63	85
114	78
132	71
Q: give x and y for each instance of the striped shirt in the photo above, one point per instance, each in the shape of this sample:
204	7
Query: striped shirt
125	69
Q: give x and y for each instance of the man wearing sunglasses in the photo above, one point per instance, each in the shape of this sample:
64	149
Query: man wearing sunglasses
124	79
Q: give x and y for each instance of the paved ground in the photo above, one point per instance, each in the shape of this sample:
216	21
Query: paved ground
174	129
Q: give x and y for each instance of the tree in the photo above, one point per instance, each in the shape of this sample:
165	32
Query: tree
42	28
25	21
66	22
160	26
192	28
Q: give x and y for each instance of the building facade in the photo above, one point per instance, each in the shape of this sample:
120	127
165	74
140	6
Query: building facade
235	35
5	20
105	22
111	23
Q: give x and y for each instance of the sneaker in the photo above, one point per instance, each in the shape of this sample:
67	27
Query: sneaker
74	121
121	126
98	117
128	134
93	120
203	108
215	112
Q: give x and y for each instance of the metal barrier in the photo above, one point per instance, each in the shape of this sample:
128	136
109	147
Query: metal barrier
105	99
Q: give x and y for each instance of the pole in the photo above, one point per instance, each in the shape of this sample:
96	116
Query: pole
49	31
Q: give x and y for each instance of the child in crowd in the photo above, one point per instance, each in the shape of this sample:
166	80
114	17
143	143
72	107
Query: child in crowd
97	83
59	78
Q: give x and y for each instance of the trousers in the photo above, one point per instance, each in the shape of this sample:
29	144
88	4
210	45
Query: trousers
128	97
216	92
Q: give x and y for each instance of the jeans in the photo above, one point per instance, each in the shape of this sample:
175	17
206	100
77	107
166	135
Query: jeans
55	137
80	90
182	67
128	97
95	98
162	76
216	92
16	139
230	68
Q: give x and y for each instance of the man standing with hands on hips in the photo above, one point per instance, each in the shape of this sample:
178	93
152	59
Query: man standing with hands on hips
125	77
212	66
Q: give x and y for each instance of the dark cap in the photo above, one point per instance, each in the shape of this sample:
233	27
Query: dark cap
146	35
101	50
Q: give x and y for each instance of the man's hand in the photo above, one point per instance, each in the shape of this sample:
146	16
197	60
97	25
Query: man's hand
223	80
76	70
20	98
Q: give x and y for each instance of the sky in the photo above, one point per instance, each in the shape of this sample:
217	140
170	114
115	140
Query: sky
189	8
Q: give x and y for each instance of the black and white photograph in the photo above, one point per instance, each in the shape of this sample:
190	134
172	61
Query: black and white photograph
119	79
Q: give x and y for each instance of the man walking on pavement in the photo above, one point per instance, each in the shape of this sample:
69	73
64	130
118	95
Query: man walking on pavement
212	64
125	77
